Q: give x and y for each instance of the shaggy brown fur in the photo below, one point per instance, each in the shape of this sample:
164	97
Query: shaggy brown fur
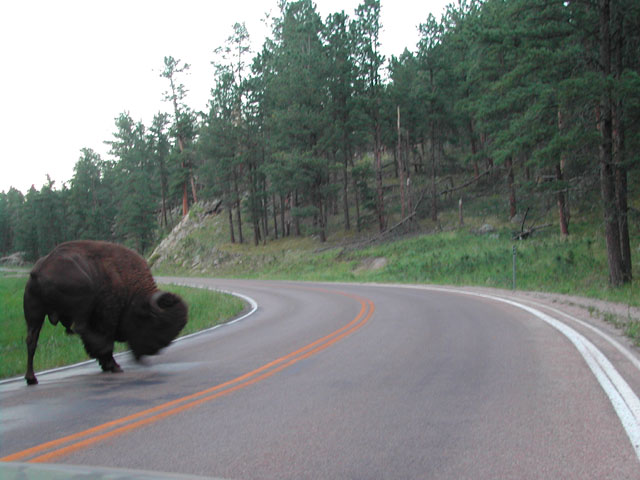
103	292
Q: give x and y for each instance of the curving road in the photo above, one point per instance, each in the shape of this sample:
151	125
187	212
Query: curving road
350	381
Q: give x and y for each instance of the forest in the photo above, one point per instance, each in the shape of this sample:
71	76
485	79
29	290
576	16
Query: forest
538	97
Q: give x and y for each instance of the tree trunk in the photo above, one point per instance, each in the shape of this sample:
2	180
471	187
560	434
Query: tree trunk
185	196
357	202
512	189
561	200
255	210
474	150
275	215
488	161
238	206
265	211
345	192
265	221
380	192
611	224
607	168
163	190
163	220
233	237
322	219
434	193
283	209
296	219
194	195
401	170
619	154
623	223
562	207
185	199
256	232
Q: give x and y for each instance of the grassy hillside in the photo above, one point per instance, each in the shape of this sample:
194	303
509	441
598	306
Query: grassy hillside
477	253
435	253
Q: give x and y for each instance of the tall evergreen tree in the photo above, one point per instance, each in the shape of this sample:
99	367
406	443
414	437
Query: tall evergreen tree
339	139
404	92
183	126
160	149
618	51
435	79
7	229
91	203
297	121
366	29
224	136
50	215
135	220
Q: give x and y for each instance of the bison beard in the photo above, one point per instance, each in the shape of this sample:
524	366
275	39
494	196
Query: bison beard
103	292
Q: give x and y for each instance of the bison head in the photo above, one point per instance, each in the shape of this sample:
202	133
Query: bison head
155	322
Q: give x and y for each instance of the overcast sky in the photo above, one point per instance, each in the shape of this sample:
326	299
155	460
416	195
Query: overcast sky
70	67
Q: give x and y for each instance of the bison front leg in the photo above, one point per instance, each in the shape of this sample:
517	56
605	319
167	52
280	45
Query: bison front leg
108	363
100	347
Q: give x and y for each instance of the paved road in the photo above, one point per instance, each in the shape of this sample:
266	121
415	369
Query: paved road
346	381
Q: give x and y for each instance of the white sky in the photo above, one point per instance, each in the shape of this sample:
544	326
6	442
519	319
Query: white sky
70	67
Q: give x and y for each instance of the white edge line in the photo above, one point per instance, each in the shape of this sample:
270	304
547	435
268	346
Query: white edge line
618	346
252	303
623	399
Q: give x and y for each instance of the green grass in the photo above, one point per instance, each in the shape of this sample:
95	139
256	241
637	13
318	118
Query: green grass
206	308
545	262
55	348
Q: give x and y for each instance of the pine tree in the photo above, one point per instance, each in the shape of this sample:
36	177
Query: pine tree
369	88
224	137
160	148
296	95
91	205
339	137
183	126
137	193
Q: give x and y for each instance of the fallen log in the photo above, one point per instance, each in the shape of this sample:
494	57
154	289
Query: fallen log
524	234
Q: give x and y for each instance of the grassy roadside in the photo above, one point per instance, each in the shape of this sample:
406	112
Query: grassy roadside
460	255
55	348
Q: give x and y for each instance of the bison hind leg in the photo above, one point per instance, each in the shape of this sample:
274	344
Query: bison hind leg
34	315
33	332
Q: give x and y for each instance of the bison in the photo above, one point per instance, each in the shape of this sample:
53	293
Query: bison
103	292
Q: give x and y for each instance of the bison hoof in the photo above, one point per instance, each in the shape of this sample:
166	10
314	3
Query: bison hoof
31	381
142	361
110	365
115	368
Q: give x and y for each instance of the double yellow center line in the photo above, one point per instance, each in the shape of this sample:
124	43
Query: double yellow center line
46	452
